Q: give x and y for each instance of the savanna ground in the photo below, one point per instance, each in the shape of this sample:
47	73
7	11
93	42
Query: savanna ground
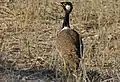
28	30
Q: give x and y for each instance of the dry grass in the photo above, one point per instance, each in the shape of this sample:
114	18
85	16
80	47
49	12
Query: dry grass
27	40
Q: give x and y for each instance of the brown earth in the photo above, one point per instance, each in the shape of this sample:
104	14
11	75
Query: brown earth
28	31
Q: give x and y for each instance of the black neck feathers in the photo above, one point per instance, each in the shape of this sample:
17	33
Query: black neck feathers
66	21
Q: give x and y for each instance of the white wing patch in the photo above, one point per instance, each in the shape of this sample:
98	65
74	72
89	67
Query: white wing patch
67	7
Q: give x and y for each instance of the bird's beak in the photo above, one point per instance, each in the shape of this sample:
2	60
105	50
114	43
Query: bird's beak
60	3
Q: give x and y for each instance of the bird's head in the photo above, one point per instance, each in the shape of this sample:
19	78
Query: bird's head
67	6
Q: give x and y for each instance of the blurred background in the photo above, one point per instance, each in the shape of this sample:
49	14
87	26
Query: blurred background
28	29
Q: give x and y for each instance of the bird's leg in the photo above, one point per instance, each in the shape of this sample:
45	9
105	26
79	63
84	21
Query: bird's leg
65	66
77	66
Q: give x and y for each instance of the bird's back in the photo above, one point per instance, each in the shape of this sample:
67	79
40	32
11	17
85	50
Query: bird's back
69	45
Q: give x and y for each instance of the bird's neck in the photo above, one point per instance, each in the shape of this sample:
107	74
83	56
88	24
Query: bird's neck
66	21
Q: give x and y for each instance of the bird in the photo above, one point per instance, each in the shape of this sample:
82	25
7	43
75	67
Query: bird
69	42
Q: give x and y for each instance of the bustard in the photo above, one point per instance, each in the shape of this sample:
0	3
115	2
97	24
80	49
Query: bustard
68	40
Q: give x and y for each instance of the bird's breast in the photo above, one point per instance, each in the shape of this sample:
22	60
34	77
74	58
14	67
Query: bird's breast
65	40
